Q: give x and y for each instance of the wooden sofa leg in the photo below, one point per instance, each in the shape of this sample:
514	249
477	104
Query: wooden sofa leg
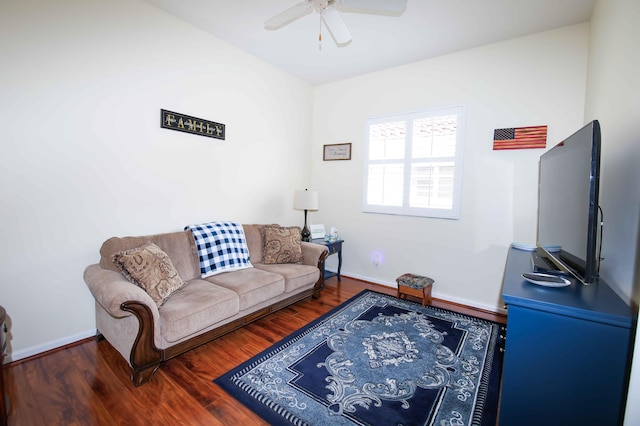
140	376
319	286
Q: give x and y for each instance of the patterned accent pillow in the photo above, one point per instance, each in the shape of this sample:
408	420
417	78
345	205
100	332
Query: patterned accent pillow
281	244
151	269
222	247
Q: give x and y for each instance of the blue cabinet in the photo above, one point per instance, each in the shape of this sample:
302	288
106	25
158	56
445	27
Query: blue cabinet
567	354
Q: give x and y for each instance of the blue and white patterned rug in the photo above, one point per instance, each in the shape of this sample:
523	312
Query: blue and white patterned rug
377	360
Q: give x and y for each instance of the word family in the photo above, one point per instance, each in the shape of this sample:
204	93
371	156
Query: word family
185	123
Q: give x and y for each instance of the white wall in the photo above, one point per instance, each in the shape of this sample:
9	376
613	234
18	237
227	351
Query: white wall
612	98
534	80
84	158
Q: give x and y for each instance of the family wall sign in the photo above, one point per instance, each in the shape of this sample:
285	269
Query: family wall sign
196	126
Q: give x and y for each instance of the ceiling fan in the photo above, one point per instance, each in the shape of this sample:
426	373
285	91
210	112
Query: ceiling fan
330	15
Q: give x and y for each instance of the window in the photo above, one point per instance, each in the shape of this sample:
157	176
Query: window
413	163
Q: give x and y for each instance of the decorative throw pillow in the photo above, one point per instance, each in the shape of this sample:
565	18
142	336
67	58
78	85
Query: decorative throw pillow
222	247
151	269
281	244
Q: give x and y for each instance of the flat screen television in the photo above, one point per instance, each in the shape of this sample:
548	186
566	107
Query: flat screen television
568	187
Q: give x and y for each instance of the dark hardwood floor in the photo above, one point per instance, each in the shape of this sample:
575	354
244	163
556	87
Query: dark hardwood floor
88	383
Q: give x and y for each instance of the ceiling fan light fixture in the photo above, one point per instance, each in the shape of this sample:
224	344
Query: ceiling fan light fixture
320	5
329	15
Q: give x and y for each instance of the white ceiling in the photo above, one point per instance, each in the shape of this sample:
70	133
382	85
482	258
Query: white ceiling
428	28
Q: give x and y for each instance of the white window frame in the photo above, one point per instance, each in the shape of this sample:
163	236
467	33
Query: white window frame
405	209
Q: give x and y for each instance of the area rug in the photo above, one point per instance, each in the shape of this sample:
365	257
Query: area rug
377	360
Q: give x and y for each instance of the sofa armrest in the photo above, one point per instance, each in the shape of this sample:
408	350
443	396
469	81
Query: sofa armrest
120	298
111	290
313	254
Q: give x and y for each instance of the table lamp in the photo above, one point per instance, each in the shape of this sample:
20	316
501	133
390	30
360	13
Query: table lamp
305	200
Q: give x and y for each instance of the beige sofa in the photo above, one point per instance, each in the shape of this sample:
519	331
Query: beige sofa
202	309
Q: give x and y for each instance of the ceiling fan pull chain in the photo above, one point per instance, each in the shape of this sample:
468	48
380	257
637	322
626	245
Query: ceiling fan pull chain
320	34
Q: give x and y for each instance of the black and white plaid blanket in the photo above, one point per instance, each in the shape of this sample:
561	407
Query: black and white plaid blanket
222	247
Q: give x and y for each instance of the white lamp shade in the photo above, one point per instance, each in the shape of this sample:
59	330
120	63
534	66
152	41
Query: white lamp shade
305	200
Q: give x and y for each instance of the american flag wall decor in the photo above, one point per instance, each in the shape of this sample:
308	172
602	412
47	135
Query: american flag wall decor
520	137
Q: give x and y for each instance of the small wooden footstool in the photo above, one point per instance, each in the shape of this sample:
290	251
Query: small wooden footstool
415	285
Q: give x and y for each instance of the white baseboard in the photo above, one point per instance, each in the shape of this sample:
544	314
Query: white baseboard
54	344
434	293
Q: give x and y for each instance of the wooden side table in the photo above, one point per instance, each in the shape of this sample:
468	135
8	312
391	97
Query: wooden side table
334	247
416	286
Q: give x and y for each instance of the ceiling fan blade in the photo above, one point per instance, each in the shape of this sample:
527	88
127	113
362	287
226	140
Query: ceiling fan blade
374	7
332	19
289	15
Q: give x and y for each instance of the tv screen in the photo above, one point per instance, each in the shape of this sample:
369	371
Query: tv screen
568	204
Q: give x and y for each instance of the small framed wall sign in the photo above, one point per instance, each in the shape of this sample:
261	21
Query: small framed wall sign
338	151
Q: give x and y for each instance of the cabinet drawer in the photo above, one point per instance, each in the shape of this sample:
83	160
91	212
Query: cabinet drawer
548	357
